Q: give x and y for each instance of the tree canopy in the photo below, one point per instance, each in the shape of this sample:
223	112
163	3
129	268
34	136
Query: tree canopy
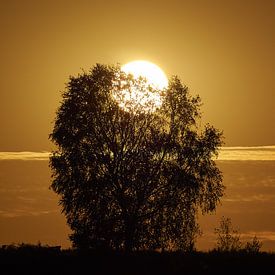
131	176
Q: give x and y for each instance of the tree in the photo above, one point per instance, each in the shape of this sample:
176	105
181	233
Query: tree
132	176
253	246
228	239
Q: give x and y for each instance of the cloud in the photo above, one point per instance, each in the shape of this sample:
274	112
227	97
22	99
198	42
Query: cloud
252	198
247	153
225	154
26	213
24	155
261	235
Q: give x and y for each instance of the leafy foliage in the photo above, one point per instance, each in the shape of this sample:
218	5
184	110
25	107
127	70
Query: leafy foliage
130	178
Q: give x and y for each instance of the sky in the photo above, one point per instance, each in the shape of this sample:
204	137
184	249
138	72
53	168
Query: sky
29	210
222	50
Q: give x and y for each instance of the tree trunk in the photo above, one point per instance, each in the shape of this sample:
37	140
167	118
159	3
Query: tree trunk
129	234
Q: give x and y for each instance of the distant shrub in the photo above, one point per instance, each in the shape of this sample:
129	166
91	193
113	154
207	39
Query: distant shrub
30	248
229	239
253	246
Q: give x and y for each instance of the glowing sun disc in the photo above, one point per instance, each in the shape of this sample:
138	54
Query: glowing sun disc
153	74
147	97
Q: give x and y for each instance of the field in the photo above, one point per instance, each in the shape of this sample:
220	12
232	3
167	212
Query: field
51	260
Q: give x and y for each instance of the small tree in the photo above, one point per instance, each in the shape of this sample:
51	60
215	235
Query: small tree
253	246
228	239
132	176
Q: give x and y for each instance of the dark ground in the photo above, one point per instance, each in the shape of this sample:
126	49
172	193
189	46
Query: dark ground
45	260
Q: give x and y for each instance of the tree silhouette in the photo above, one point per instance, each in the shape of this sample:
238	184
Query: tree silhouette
228	239
253	246
132	176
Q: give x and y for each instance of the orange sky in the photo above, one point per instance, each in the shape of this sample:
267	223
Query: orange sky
223	50
29	211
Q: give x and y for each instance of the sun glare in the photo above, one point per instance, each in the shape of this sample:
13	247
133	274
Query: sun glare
148	98
154	75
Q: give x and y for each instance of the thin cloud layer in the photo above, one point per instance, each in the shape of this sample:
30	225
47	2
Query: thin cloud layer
24	155
247	153
252	198
26	213
225	153
261	235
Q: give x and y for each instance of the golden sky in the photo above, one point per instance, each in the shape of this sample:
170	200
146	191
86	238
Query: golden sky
29	211
222	50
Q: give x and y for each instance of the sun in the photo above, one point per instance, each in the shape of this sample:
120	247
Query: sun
153	73
142	98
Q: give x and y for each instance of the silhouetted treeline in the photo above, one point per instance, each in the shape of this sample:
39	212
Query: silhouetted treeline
30	259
